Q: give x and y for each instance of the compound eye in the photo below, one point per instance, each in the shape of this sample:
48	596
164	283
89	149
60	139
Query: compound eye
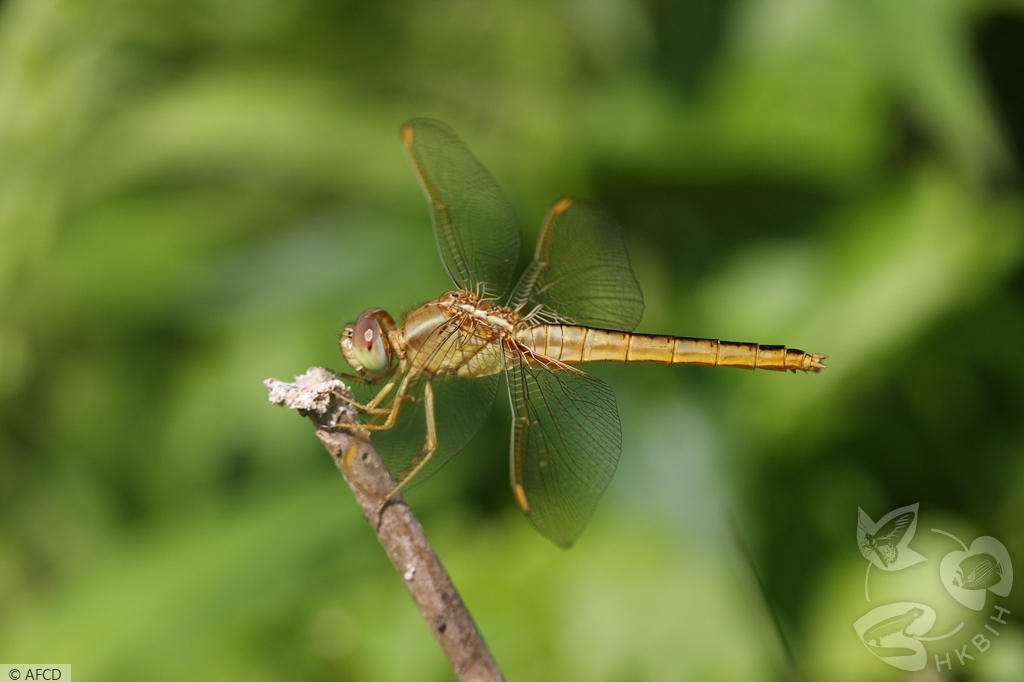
369	345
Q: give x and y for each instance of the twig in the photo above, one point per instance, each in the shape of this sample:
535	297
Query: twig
317	394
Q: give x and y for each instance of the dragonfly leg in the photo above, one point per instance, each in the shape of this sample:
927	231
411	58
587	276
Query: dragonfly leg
396	404
381	395
372	406
360	379
425	454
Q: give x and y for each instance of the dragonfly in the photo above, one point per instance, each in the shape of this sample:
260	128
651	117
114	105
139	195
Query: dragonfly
431	380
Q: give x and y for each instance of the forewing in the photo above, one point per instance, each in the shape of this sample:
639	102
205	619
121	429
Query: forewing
474	225
580	273
565	444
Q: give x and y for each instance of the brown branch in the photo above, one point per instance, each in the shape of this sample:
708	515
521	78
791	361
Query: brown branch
318	395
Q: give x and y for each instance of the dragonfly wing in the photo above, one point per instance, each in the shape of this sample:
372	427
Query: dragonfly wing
474	225
580	273
565	444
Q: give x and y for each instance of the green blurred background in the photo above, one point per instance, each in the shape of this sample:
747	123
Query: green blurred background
198	194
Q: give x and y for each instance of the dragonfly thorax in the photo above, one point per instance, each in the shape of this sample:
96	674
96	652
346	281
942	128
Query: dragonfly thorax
480	308
457	333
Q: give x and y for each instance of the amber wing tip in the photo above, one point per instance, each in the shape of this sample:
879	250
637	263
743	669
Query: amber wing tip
520	494
407	135
561	205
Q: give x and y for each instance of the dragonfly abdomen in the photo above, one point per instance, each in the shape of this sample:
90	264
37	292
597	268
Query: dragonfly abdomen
572	344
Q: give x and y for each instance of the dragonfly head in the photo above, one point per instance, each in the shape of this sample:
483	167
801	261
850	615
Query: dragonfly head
364	343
